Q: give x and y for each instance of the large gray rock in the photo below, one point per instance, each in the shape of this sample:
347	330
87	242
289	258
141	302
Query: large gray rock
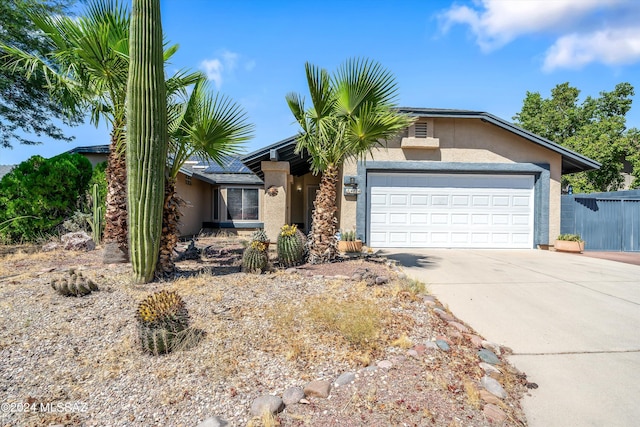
78	241
292	395
345	379
266	403
493	387
488	356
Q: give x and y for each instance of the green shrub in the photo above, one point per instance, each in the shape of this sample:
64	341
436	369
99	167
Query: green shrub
570	237
44	192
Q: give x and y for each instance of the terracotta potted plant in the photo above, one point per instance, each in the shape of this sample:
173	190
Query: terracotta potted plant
349	243
569	243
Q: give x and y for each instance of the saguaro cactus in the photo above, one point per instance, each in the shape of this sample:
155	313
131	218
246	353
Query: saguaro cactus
147	137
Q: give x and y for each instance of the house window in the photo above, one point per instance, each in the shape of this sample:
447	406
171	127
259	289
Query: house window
216	204
242	204
187	179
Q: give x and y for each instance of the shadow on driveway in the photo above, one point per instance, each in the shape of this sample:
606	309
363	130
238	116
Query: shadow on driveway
412	259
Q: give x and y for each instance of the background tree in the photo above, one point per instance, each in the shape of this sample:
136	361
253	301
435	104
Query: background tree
351	113
43	192
595	128
201	125
25	104
147	137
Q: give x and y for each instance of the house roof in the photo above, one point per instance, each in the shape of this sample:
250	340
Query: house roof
299	163
571	161
280	151
5	169
232	170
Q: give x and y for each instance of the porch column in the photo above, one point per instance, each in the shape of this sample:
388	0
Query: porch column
276	197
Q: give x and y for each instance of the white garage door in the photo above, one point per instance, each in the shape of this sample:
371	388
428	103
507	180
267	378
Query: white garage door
450	211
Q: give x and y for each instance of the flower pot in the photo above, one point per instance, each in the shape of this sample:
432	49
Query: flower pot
350	246
569	246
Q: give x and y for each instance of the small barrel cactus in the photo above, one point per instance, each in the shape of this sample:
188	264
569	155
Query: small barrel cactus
162	321
290	246
255	258
259	236
73	284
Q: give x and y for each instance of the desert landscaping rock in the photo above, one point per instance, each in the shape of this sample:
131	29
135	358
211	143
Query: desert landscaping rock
266	403
444	315
318	388
292	395
489	398
345	379
494	413
413	353
459	326
213	422
341	277
79	241
385	364
490	370
475	340
492	346
488	356
381	280
493	387
356	277
442	344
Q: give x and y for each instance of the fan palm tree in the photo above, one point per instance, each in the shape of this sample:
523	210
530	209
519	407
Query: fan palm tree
203	126
352	112
88	70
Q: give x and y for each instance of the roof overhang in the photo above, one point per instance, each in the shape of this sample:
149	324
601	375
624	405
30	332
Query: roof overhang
283	151
572	162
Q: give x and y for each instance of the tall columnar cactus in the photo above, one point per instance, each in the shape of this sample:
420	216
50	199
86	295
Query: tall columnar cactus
290	246
97	215
163	321
147	137
255	258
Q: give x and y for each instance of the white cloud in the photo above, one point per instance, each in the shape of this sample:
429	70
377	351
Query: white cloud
219	68
213	69
586	29
612	47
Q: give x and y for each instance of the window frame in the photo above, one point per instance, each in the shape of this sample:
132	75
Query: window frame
226	216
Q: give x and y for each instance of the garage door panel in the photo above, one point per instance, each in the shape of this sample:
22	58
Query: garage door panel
425	210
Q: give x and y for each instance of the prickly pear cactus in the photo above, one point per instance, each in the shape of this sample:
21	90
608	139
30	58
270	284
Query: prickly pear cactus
74	284
290	246
163	320
255	258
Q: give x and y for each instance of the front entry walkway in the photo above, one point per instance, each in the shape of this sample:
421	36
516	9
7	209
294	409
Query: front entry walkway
572	322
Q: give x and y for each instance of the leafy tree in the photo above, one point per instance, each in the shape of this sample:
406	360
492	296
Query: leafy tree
595	128
25	103
352	112
202	125
42	191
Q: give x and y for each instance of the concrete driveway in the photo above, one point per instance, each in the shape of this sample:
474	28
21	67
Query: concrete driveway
573	323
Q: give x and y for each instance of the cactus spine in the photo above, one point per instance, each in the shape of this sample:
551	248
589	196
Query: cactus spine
255	258
147	137
290	246
163	321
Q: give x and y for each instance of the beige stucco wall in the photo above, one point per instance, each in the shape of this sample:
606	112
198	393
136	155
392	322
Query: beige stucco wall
468	141
276	208
198	205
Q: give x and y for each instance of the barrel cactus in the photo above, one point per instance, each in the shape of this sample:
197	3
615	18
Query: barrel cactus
255	258
163	320
290	246
73	284
259	236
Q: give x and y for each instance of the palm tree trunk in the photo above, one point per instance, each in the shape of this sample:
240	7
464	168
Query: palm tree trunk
170	221
116	247
322	239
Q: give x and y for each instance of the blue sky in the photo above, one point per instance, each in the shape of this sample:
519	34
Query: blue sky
477	55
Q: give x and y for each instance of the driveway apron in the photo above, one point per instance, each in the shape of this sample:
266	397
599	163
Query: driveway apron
572	322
